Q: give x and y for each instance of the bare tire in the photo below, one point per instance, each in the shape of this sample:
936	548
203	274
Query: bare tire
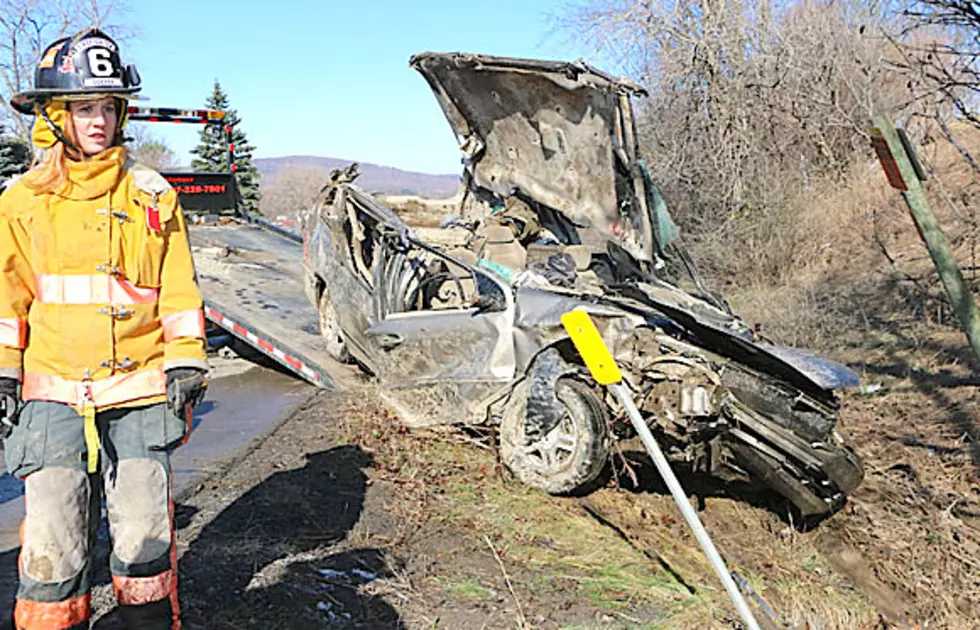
330	331
570	455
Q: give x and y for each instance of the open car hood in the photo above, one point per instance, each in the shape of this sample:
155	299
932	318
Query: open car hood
561	134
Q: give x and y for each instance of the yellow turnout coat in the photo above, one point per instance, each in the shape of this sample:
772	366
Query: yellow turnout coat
97	291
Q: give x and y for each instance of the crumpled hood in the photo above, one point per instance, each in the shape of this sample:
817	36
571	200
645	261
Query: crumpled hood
729	336
552	131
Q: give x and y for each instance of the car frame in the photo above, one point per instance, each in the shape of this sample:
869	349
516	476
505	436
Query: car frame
460	324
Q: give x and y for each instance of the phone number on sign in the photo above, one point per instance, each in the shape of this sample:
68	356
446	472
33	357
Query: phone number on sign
198	189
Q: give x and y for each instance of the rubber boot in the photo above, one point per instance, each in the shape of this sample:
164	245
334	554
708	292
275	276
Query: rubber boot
153	616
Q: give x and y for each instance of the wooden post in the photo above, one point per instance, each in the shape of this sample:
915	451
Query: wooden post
904	174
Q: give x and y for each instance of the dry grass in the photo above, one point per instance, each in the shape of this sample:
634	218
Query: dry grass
628	554
866	291
852	278
859	265
421	212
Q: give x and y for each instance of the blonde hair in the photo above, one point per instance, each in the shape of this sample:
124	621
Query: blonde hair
49	170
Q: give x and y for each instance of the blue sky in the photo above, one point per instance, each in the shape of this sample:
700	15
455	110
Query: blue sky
329	78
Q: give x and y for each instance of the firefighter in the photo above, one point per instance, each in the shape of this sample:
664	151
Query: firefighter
102	346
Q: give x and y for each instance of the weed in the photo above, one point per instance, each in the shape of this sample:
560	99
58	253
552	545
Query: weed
469	589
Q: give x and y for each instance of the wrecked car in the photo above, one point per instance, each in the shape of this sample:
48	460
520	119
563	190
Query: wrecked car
460	324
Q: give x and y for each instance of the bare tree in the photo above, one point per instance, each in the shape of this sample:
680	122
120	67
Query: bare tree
946	57
149	149
751	102
939	54
27	26
290	191
938	51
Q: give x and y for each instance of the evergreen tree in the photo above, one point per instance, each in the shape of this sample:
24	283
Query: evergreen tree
212	151
15	156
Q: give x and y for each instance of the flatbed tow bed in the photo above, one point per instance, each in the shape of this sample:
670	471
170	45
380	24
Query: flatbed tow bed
250	274
252	286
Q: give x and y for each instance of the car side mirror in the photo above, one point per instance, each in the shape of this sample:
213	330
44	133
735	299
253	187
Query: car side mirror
490	297
493	303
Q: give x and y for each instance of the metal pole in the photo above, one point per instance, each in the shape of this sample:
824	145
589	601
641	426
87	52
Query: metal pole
621	393
902	174
231	148
602	365
233	169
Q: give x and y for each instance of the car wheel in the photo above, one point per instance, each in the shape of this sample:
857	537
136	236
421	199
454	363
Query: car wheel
571	454
333	336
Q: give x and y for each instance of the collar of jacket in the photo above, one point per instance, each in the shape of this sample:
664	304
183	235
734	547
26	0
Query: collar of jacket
95	176
42	136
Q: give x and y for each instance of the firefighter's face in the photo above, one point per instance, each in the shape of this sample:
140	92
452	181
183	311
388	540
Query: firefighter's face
95	123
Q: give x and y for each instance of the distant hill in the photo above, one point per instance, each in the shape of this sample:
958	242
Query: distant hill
373	177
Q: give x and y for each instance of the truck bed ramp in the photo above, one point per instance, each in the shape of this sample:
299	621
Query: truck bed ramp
251	280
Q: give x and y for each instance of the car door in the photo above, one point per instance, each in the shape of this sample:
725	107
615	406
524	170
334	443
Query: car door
444	334
345	239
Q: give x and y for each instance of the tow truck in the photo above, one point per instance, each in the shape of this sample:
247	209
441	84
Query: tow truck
249	270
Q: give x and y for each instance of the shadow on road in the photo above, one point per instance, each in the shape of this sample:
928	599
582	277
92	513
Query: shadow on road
10	487
266	560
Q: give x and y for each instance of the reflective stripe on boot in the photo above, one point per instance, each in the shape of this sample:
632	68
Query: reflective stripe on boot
65	615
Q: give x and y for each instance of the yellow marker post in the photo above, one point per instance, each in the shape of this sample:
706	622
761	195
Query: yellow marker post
591	347
602	366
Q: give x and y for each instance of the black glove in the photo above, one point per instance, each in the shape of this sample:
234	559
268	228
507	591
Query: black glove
185	388
8	405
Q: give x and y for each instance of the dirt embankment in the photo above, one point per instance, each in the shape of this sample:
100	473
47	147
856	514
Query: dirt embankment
341	518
